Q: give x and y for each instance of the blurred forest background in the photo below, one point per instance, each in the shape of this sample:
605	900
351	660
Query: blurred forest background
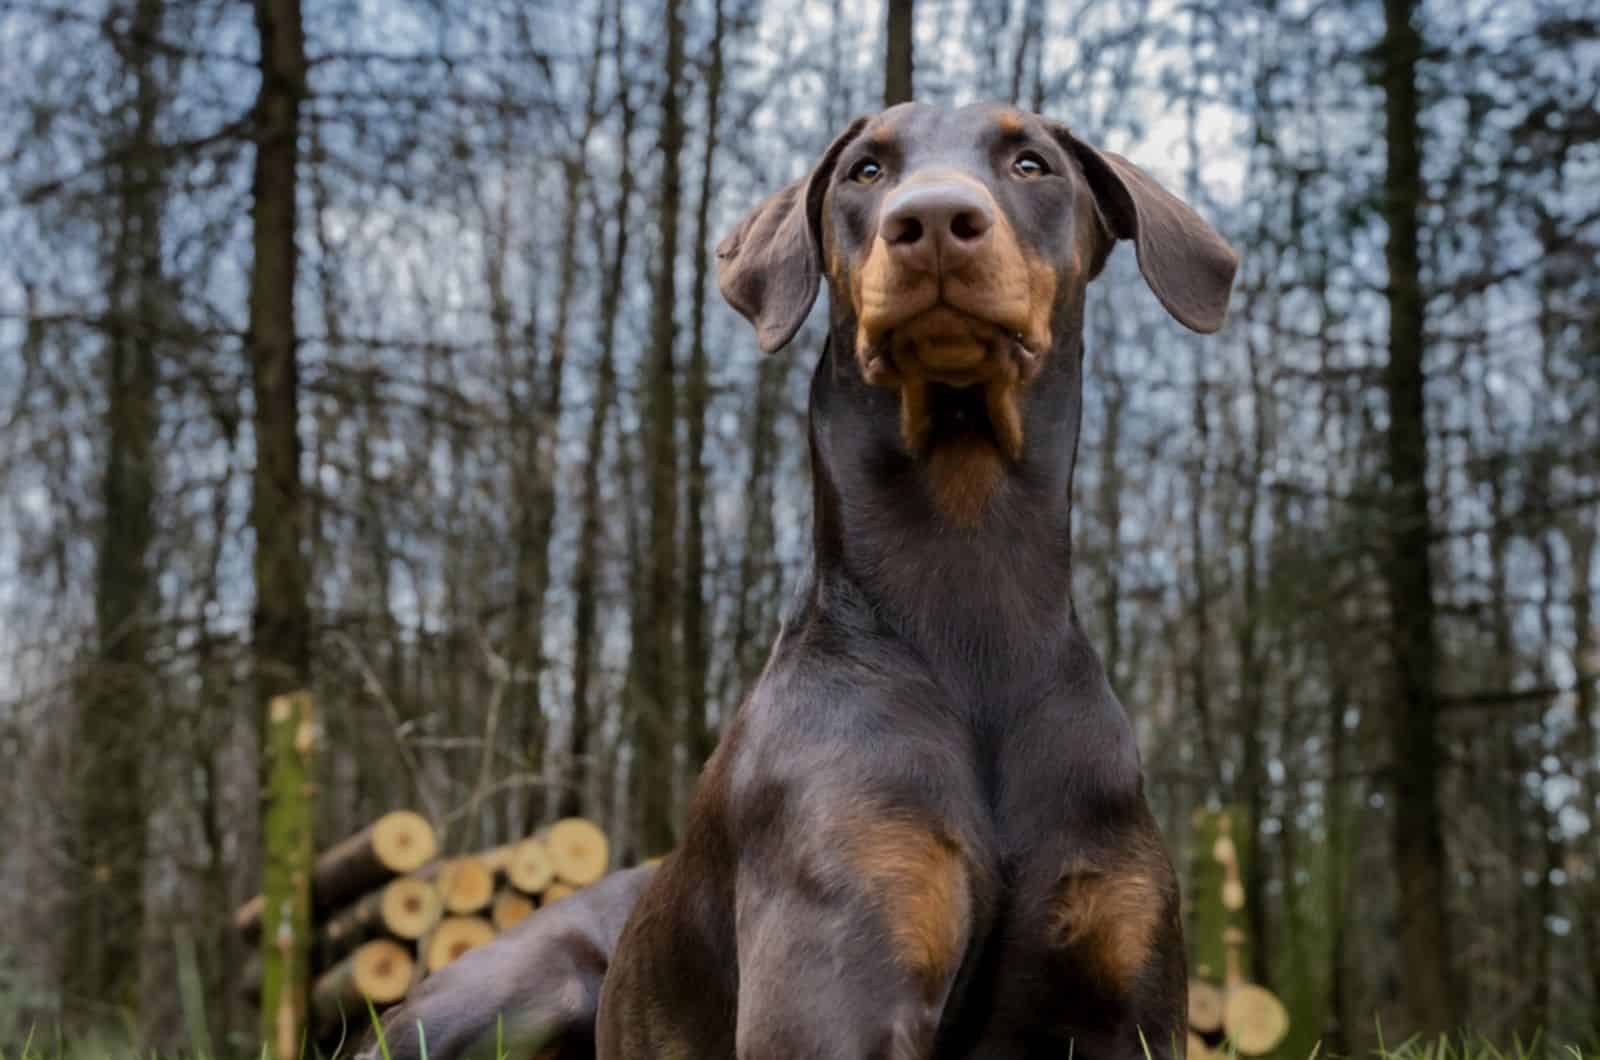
373	344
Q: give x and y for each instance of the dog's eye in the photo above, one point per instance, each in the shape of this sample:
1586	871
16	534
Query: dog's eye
865	171
1029	164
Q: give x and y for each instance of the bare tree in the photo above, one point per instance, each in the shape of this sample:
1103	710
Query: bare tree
898	33
281	630
115	720
1418	837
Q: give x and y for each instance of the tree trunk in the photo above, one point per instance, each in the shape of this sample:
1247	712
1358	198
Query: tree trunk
1198	670
586	570
1586	666
696	646
1252	694
654	690
282	622
1109	498
897	53
1418	839
107	916
1029	39
756	541
539	515
1339	856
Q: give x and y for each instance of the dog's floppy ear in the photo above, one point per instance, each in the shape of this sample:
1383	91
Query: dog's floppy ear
770	266
1186	263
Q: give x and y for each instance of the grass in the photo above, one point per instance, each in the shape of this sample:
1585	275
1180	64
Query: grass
109	1046
44	1042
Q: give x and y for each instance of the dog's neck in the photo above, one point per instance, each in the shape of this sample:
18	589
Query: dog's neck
987	599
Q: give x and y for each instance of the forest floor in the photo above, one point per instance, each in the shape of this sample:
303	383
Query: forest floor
60	1046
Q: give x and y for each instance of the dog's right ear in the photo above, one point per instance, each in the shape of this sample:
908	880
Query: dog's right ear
770	266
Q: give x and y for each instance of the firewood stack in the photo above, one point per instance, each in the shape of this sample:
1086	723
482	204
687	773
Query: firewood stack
390	911
1236	1016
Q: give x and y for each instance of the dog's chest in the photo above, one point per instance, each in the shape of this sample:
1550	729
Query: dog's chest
1078	876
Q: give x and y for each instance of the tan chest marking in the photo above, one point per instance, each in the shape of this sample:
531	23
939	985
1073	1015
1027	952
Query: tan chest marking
1109	919
922	885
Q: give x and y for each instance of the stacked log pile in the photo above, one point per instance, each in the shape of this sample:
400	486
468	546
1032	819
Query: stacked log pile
1233	1016
389	910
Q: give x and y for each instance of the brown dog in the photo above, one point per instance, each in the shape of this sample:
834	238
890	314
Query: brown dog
924	833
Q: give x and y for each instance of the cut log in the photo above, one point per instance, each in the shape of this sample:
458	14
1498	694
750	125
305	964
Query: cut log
465	884
510	908
557	891
379	971
1199	1050
528	867
406	908
454	936
393	845
578	850
410	908
1205	1007
497	859
1255	1019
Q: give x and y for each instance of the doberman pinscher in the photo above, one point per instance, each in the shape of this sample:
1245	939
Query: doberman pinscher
924	834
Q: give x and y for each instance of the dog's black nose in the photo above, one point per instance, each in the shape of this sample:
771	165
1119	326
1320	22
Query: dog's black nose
936	224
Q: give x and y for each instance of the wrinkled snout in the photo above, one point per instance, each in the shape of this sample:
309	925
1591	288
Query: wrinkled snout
947	290
937	225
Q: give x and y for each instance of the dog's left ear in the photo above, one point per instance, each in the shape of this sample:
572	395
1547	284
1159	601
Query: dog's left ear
1186	263
770	266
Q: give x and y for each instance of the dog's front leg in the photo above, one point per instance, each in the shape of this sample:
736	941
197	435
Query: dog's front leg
849	939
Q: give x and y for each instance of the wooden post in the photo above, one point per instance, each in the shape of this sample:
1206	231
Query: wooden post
1216	896
293	737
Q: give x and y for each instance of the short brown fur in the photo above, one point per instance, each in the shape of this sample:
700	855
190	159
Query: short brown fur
1111	918
923	890
963	477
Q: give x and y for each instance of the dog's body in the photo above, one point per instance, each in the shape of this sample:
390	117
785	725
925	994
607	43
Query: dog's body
924	833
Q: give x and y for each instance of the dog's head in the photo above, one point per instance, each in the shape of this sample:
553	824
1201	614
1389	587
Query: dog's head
953	240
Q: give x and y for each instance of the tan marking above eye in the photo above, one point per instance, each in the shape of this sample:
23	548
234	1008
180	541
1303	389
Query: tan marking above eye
1011	123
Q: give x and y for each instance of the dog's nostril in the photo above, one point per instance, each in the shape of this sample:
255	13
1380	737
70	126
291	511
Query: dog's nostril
906	230
968	224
